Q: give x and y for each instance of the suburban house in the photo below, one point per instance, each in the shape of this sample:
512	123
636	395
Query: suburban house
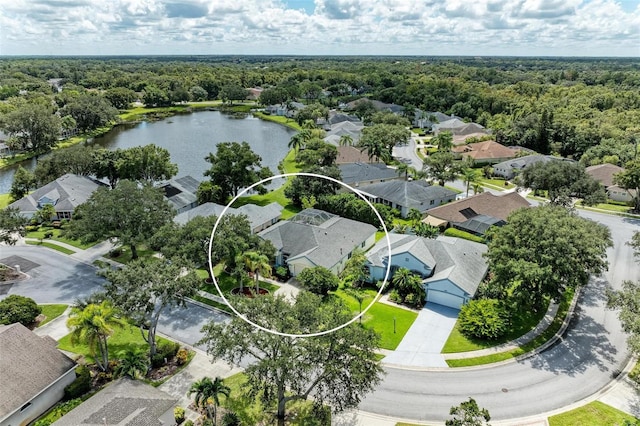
345	128
476	214
253	93
486	152
181	193
351	154
458	127
316	238
426	119
336	118
451	268
357	174
260	217
510	168
124	402
34	374
603	173
377	105
285	110
406	195
65	194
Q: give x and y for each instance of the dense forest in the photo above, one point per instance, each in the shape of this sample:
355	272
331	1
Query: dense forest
580	108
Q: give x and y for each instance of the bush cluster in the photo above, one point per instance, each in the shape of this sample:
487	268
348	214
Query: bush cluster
484	319
20	309
80	386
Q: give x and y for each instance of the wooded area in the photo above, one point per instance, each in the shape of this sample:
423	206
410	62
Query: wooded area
572	107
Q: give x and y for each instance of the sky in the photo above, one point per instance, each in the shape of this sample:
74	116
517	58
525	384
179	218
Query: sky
321	27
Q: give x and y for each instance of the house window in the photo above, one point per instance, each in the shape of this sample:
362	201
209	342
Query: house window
432	201
362	245
406	259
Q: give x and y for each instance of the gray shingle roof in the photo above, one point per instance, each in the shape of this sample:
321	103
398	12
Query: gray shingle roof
68	192
522	162
410	194
479	224
124	402
322	237
28	365
257	215
458	260
362	172
181	192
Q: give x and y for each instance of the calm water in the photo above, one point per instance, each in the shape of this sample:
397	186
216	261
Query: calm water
191	137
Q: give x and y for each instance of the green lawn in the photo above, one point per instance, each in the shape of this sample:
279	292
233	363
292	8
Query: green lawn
499	183
381	318
228	283
51	312
288	166
592	414
528	347
279	119
523	322
122	339
606	206
5	200
39	234
53	246
213	303
252	411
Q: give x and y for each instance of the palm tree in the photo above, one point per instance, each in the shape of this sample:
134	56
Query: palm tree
401	278
345	140
414	216
477	188
206	390
93	325
469	176
133	363
425	230
298	140
403	169
258	264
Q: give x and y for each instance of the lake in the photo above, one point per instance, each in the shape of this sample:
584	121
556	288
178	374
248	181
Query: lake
189	138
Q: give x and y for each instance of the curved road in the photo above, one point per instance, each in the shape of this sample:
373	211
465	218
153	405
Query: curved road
589	356
591	353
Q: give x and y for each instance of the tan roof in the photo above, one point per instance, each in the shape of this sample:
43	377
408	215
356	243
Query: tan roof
461	139
485	150
499	206
351	154
603	173
28	365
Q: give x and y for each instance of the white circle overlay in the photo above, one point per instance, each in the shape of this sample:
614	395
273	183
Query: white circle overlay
320	333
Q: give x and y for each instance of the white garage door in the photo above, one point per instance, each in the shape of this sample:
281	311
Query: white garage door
446	299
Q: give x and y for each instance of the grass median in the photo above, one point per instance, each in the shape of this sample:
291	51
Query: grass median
543	338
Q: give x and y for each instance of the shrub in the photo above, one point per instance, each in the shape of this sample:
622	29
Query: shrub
178	415
80	386
182	356
230	418
157	360
282	272
58	411
414	299
18	309
32	228
394	296
188	423
483	319
116	252
453	232
319	280
168	349
48	234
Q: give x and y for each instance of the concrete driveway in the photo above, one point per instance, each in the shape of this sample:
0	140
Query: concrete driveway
425	339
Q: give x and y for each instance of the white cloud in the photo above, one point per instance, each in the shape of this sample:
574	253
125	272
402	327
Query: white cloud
422	27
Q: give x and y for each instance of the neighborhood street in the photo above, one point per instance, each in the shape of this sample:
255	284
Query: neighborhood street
584	362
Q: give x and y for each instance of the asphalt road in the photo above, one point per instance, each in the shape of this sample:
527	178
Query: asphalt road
589	356
407	154
592	352
62	279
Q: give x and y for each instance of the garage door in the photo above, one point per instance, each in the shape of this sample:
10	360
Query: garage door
446	299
